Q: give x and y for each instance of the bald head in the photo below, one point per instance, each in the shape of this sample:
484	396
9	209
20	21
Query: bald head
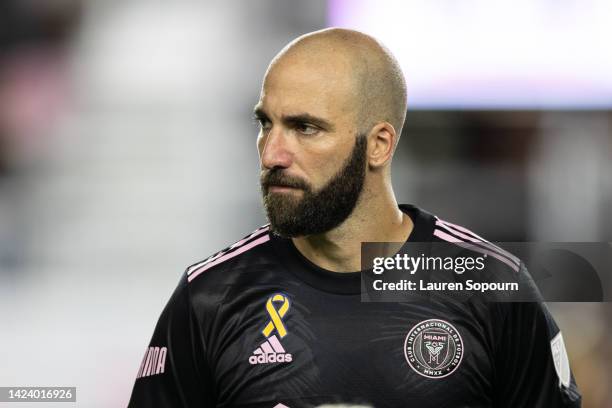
366	76
331	110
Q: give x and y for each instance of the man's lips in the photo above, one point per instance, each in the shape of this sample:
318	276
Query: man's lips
280	188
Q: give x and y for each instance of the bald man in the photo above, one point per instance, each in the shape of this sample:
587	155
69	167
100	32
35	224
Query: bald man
276	319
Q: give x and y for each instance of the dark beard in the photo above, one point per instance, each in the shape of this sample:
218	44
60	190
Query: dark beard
315	212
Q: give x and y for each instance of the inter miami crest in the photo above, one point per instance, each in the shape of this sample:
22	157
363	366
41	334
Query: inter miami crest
433	348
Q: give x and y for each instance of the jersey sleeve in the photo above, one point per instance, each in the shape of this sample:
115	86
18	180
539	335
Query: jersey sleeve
532	367
174	371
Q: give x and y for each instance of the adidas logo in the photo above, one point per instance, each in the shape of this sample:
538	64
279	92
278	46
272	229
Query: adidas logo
270	351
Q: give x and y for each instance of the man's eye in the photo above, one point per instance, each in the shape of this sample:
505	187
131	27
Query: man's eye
306	129
264	124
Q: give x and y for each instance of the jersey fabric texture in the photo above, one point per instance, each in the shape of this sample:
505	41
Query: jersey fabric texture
259	325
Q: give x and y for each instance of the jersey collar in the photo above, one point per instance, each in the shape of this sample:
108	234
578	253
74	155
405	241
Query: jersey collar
344	283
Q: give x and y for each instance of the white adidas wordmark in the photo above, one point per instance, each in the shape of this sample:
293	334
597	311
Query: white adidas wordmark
270	351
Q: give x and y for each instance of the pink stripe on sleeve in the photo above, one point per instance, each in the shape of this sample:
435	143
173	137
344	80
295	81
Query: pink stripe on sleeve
449	238
483	243
473	234
224	258
220	254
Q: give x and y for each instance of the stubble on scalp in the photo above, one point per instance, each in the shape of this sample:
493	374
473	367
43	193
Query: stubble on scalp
379	85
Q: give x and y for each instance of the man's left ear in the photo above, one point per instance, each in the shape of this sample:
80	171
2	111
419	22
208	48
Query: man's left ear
381	142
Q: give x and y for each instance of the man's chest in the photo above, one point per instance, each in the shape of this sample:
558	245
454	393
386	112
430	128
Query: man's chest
303	348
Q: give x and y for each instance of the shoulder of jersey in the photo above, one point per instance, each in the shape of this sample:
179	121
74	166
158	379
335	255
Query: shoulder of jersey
445	231
241	248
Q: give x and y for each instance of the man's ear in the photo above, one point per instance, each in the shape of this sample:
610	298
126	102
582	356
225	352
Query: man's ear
381	143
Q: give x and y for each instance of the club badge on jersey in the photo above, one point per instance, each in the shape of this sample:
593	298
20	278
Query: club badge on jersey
433	348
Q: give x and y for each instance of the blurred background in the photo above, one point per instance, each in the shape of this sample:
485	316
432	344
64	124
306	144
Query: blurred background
127	152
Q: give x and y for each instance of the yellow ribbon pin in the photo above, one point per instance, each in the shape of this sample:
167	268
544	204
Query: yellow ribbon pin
276	316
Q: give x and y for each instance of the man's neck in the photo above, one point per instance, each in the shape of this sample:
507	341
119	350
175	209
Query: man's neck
339	250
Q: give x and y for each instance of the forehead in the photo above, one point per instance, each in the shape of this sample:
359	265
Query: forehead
319	87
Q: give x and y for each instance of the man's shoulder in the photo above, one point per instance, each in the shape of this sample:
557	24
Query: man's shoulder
244	250
460	236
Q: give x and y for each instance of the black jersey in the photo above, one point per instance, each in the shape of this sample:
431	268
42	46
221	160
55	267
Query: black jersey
259	325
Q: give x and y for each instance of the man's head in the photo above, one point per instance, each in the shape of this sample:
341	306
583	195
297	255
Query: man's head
331	109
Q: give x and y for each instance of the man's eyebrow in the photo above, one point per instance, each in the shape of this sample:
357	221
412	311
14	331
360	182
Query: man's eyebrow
308	118
259	113
299	118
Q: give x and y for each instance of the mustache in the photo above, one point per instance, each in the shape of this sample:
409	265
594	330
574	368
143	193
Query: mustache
276	177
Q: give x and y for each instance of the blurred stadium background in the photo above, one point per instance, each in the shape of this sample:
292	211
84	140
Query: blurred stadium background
127	152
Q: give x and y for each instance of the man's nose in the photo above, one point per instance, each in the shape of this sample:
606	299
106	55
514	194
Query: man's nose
276	151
